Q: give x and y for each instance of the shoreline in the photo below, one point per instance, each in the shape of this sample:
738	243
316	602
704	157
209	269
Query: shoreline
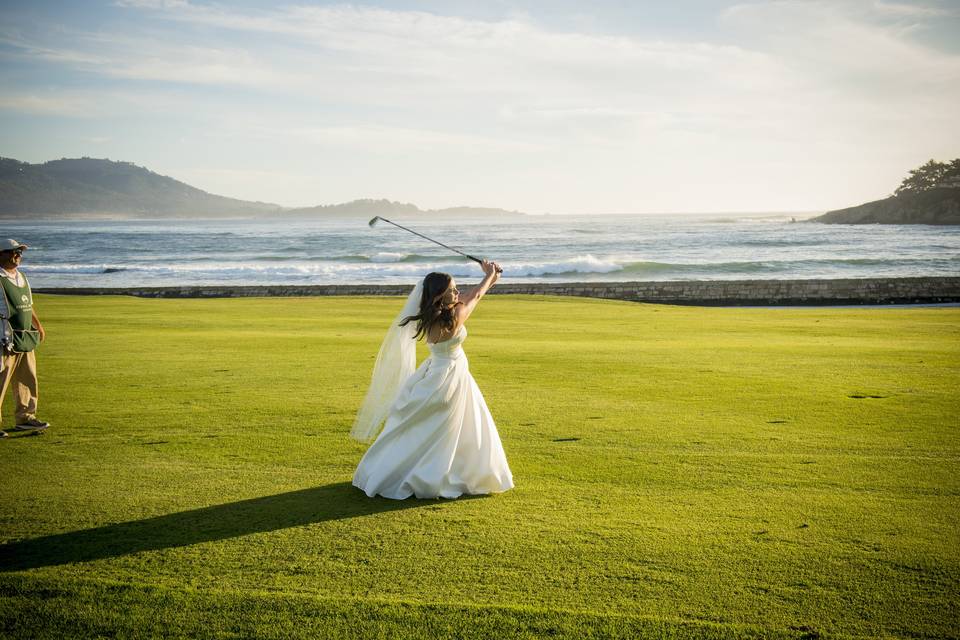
856	292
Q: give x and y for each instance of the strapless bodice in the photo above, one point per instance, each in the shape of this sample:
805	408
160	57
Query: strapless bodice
450	348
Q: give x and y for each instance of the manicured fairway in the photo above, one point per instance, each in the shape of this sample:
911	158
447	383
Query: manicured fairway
681	472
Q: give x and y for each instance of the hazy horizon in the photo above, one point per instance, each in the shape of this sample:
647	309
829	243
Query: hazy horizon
700	108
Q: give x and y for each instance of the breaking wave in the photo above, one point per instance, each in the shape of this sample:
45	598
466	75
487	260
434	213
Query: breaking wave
397	266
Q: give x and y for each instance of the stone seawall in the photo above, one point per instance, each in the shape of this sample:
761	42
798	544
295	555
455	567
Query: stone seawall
694	292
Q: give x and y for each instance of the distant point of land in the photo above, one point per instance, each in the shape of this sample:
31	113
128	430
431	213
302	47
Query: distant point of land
929	195
78	188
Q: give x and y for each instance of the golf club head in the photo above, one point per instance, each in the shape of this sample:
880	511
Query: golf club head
373	220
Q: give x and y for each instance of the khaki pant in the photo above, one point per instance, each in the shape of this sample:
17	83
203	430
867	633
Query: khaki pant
21	370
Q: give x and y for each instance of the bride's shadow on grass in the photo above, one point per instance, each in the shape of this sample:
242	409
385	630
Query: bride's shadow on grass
337	501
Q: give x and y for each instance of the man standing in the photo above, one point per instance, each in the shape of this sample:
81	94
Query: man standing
19	364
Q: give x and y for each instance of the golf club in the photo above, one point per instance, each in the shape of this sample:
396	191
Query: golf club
477	260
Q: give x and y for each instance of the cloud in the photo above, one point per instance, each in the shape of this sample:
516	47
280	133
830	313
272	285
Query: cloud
57	104
374	137
31	49
152	4
103	103
454	71
140	58
806	84
855	54
902	10
501	75
840	38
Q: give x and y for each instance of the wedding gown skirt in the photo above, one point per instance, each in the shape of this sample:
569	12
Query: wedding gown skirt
439	439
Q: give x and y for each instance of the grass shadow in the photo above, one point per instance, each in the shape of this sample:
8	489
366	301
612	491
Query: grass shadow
337	501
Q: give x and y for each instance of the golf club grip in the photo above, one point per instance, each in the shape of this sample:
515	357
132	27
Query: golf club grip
480	262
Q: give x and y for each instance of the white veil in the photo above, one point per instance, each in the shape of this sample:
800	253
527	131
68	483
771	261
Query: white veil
396	361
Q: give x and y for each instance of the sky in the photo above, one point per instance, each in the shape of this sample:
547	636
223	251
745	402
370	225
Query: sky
563	107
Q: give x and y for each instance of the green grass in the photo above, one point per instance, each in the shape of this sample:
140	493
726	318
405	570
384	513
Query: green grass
681	472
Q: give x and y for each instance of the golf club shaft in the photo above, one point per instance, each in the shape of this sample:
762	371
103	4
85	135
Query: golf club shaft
477	260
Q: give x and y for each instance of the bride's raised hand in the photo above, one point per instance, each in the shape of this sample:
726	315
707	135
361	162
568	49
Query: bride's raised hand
491	269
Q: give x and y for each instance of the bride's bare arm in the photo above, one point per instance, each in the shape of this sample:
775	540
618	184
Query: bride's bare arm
470	300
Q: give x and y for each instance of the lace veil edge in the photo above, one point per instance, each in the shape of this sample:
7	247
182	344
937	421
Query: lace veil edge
396	361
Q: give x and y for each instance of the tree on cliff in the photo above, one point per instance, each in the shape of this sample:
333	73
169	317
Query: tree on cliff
928	176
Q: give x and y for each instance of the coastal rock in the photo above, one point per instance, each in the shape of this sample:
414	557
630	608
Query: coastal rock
939	206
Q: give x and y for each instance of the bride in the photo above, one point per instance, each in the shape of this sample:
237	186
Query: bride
439	439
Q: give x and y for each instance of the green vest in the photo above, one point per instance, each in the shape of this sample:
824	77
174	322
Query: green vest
20	304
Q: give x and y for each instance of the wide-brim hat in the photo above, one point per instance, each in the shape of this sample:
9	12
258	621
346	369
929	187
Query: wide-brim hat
10	244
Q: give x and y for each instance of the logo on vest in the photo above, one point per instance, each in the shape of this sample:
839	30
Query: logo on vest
24	298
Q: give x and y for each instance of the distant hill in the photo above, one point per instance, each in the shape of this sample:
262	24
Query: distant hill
356	208
940	206
90	186
474	211
388	207
93	187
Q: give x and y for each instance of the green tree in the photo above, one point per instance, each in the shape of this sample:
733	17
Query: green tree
954	170
928	176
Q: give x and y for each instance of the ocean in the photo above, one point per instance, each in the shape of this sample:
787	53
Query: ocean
530	249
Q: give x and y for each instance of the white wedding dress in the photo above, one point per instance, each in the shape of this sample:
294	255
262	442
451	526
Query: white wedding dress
439	439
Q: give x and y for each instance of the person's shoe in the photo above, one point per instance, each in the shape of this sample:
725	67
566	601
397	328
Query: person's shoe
31	424
4	434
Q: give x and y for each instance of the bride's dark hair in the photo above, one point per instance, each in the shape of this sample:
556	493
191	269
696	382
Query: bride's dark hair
432	311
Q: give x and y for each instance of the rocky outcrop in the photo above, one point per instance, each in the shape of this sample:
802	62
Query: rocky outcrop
940	206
